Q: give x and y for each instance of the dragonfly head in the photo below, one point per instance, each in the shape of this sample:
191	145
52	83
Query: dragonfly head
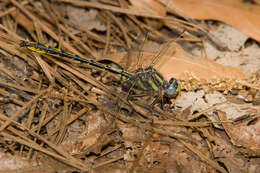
173	88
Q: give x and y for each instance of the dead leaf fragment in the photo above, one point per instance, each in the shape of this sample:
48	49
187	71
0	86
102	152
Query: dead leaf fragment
150	5
9	162
241	135
87	19
243	16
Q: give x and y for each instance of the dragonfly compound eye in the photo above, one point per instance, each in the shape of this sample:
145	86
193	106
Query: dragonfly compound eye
174	88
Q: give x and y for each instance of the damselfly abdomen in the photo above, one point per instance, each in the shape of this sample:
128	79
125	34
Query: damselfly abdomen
148	79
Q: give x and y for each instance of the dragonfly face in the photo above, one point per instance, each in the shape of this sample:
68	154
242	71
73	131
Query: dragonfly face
172	88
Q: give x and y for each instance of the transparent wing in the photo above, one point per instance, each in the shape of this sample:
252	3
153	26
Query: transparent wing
140	55
164	49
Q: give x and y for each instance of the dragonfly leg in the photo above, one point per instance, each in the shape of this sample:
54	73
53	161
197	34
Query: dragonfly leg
158	100
137	95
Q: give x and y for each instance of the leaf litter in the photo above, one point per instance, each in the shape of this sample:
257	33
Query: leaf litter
61	115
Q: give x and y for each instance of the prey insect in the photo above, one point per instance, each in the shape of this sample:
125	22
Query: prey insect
147	79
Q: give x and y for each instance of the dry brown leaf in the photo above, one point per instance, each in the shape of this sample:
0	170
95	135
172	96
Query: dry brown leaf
150	5
227	155
243	16
242	135
177	63
10	162
87	19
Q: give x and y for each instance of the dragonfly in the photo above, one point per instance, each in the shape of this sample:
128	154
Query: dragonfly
148	79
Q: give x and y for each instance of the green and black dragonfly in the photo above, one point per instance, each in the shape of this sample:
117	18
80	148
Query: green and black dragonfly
147	79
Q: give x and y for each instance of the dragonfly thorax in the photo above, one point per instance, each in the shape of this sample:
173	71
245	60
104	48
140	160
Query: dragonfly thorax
152	81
